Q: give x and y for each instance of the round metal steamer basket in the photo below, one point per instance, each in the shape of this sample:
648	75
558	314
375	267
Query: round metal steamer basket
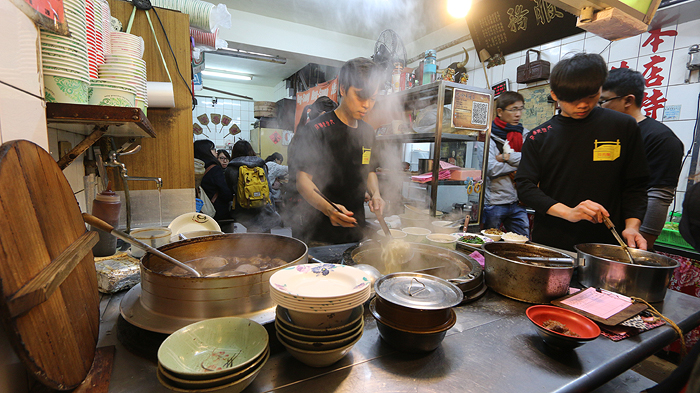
210	297
525	281
598	267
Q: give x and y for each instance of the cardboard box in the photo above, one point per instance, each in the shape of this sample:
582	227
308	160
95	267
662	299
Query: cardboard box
464	174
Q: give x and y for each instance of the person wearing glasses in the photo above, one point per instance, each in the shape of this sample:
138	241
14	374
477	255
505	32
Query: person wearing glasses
501	204
583	164
623	91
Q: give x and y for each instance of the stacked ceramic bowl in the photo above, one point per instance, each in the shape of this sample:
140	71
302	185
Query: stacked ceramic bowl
220	354
413	310
65	59
122	78
319	347
316	298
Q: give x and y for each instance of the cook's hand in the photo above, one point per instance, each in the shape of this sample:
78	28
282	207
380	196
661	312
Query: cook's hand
587	210
377	204
344	219
634	239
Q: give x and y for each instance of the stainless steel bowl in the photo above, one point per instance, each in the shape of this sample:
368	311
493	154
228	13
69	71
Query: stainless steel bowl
600	266
524	281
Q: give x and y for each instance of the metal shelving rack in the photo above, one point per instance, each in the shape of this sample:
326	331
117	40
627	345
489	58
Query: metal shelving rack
440	93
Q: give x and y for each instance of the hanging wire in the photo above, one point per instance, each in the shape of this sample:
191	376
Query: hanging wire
675	327
23	91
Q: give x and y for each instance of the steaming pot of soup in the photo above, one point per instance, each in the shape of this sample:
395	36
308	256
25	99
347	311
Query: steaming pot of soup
235	268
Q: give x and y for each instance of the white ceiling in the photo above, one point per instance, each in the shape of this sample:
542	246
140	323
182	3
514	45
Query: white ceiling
411	19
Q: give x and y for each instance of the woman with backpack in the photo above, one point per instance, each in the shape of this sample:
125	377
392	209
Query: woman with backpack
213	182
246	176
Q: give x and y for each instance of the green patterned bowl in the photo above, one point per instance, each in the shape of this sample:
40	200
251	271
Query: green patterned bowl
65	90
101	95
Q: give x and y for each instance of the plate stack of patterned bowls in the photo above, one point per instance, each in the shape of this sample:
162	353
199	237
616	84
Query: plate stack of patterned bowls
65	59
320	315
122	78
219	354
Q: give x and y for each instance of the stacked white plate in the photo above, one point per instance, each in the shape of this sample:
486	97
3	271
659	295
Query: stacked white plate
65	59
320	295
122	78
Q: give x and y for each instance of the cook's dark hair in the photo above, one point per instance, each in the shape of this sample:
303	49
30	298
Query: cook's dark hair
242	148
202	151
508	98
579	76
274	156
362	74
623	82
224	152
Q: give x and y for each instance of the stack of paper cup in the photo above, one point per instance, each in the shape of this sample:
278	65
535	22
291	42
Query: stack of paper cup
65	59
106	28
122	77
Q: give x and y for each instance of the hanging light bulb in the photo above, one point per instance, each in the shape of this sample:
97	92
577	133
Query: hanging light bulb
458	8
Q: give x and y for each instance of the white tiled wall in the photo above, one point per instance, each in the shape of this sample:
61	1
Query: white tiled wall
240	111
637	52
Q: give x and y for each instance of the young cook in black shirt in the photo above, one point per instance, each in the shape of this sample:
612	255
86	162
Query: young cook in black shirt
584	163
334	154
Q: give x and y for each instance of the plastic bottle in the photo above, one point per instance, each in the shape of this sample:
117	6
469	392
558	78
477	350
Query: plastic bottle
396	78
106	207
429	67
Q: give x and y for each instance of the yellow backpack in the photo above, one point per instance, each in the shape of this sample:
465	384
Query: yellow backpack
253	190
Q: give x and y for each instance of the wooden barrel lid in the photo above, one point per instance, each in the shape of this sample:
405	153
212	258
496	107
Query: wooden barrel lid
39	219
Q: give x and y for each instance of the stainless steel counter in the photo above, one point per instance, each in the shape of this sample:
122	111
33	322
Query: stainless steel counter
492	348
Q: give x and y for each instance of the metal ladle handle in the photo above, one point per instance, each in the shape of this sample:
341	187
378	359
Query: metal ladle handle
98	223
611	226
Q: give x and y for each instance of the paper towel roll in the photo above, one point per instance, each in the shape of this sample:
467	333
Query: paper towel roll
160	95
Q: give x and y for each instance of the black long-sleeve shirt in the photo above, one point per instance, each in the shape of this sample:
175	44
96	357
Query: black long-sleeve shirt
566	160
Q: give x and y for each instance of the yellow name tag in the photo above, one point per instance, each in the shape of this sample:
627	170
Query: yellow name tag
606	151
366	154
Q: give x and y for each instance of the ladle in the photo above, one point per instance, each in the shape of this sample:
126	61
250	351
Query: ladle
98	223
611	226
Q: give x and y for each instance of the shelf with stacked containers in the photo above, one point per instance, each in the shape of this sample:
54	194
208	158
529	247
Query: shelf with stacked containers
472	123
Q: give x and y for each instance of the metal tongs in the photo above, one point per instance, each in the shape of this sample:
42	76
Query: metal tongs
611	226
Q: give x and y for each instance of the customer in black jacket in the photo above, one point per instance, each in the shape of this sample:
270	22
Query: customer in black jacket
213	182
583	164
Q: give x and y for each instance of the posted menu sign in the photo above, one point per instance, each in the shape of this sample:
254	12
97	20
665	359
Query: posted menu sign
508	26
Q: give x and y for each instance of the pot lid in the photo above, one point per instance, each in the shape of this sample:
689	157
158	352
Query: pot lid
418	291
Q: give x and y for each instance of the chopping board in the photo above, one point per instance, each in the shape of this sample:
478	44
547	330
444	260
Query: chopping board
50	303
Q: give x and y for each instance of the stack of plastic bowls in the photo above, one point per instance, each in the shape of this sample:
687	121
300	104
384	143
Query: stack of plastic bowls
122	78
316	298
65	59
220	354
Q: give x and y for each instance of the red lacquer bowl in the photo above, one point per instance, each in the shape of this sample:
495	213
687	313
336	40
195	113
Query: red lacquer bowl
577	323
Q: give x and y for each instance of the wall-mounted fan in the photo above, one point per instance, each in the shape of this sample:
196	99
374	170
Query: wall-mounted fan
388	50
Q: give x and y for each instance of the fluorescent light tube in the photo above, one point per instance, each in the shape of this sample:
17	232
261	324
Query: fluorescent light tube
223	74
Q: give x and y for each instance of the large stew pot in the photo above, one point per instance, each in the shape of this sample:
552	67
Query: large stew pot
524	281
456	267
210	297
600	266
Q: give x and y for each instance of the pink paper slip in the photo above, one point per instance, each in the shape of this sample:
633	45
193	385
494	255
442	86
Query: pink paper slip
602	304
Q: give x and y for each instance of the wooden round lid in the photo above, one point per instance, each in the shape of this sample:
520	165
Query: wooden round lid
39	220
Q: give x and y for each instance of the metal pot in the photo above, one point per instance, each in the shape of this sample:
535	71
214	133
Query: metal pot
455	267
599	267
169	301
525	281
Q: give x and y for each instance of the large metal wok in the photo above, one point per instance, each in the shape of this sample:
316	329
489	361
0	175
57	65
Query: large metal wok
163	303
461	270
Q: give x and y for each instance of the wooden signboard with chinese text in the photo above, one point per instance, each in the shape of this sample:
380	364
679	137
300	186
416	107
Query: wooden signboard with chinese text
508	26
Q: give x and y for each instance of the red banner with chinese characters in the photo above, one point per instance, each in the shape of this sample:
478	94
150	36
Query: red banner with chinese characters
48	14
308	97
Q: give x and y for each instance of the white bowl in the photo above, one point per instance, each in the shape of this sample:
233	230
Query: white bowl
282	316
320	320
443	240
514	238
395	233
153	236
490	236
416	234
318	358
321	345
443	227
409	220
